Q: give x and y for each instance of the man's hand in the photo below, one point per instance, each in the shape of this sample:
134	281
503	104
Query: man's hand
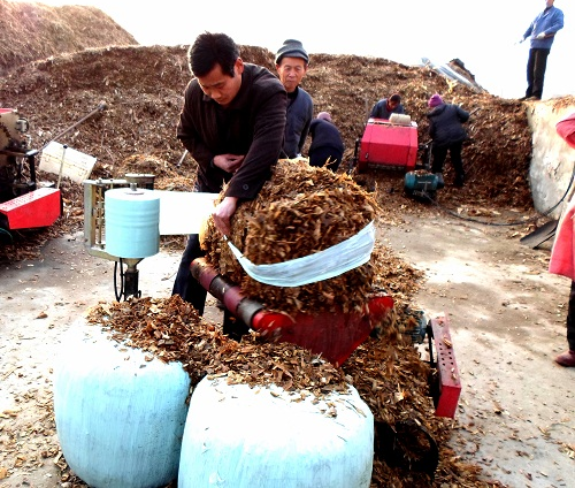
222	214
541	35
228	162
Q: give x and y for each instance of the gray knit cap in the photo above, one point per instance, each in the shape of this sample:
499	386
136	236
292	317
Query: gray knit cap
293	49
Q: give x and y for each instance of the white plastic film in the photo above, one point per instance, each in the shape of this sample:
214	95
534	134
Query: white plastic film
319	266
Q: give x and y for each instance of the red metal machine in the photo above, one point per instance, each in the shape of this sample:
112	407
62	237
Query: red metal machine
23	202
446	385
393	144
333	335
336	335
388	143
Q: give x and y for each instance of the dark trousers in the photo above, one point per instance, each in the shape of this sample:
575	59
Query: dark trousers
440	154
571	318
186	286
536	66
318	158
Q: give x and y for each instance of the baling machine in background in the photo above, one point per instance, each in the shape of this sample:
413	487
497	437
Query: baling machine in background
392	144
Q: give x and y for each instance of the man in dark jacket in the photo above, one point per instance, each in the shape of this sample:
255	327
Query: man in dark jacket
542	34
291	65
232	123
385	107
327	145
447	132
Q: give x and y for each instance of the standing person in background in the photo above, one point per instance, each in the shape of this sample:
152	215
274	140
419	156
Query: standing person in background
291	65
563	252
385	107
448	134
542	34
232	123
327	145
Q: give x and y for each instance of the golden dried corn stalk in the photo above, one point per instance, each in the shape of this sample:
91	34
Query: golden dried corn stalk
300	210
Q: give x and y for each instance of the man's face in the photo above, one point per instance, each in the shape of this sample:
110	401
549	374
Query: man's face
221	87
393	104
549	3
291	71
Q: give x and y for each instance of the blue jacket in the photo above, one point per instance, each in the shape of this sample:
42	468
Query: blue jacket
380	110
299	115
549	21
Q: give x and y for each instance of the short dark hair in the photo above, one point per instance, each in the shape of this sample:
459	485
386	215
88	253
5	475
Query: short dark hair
210	49
396	98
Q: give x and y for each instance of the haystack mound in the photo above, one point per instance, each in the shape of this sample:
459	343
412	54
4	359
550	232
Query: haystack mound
33	31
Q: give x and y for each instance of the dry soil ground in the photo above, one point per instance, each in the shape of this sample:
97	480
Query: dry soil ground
507	313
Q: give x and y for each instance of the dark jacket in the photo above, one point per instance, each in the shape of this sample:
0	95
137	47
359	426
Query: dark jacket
325	134
549	21
299	115
446	124
252	125
380	110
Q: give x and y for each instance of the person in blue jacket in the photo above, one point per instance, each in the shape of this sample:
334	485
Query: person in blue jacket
541	32
327	147
448	134
385	107
292	62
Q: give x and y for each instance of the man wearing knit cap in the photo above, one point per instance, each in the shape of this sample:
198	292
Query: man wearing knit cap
291	65
447	132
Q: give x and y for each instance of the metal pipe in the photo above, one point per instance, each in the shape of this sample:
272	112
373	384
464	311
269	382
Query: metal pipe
102	106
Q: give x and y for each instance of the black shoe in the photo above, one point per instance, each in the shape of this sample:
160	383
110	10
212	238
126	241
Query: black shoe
459	180
524	98
533	97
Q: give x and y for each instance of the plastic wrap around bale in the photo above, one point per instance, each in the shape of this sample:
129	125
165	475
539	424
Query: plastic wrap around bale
119	417
238	436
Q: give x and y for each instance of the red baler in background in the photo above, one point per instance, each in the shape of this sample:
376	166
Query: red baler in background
24	203
393	144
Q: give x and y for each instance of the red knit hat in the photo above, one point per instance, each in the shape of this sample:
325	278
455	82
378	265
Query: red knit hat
436	100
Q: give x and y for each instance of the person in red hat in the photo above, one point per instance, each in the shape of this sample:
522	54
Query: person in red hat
448	134
563	252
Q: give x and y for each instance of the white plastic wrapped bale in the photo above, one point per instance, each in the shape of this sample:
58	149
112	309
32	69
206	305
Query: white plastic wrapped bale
241	437
119	417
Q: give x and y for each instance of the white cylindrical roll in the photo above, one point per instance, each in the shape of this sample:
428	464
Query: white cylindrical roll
132	222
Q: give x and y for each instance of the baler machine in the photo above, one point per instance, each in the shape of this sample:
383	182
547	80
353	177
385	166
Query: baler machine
336	335
332	335
393	144
24	202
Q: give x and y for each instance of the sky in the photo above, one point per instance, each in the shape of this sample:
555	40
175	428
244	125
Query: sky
482	34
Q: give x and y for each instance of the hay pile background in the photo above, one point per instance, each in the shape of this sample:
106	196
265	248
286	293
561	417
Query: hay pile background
33	31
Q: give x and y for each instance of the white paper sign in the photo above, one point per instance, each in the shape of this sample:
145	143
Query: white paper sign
73	164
